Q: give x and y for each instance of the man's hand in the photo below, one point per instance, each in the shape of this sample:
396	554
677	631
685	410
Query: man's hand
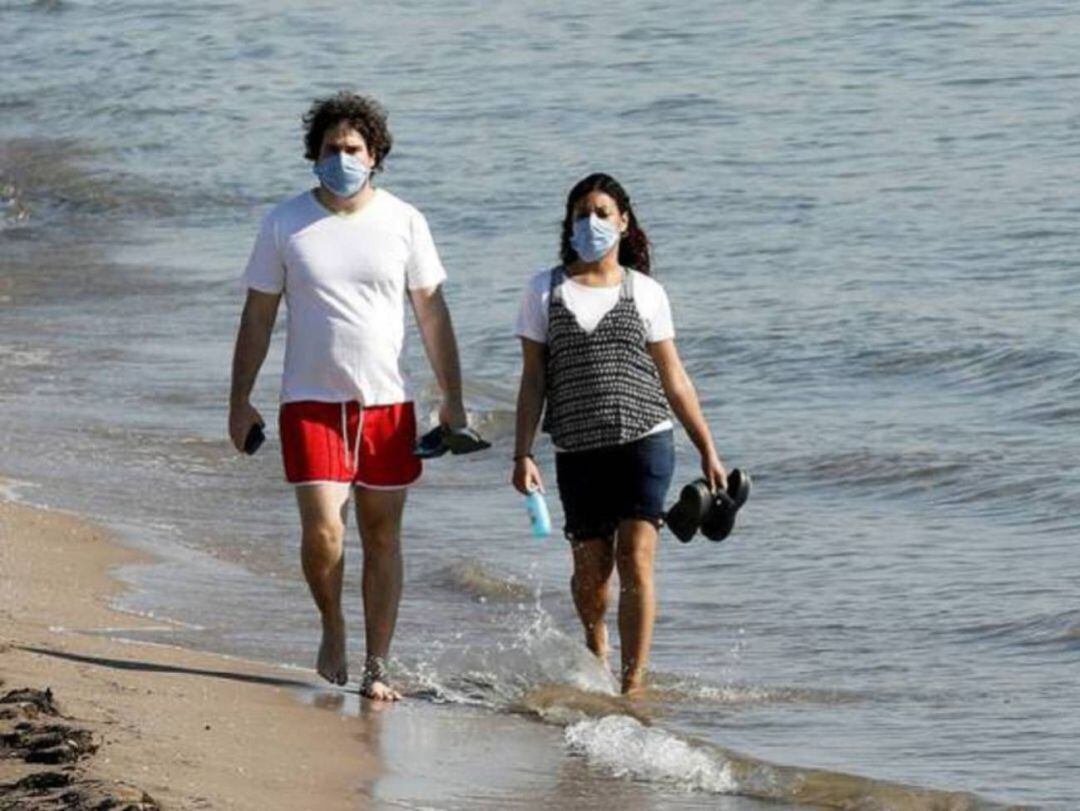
252	341
242	417
437	333
452	414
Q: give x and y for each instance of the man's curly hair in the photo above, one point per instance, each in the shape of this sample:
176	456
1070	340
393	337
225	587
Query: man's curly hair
363	114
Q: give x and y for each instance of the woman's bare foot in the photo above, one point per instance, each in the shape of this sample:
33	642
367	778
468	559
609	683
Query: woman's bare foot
332	663
633	684
596	640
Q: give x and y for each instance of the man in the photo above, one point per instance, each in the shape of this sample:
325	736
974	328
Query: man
344	255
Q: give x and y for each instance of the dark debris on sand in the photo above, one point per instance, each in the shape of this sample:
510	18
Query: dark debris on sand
32	730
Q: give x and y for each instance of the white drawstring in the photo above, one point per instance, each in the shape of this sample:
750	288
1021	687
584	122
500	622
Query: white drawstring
345	434
359	433
355	460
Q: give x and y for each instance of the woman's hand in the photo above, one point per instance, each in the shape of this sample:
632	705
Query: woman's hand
526	476
714	471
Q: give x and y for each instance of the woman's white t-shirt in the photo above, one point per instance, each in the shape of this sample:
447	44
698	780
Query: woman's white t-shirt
590	304
344	277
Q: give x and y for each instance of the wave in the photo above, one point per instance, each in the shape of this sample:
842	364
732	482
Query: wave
989	366
916	469
45	181
498	673
1060	630
544	674
491	408
470	576
678	689
988	481
22	357
625	747
562	704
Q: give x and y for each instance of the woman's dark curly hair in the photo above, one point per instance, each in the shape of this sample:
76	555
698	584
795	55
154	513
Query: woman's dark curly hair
364	114
634	245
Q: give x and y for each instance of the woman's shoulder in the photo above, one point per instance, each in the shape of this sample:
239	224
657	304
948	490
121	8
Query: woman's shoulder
647	286
540	281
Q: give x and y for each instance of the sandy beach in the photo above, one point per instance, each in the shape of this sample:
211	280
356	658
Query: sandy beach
187	729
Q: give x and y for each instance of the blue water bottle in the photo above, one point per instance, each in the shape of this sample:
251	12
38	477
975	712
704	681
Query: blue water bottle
539	517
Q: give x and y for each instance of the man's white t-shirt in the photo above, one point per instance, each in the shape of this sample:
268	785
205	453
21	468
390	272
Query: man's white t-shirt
590	304
344	277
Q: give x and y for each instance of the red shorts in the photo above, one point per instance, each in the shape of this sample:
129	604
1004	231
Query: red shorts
342	442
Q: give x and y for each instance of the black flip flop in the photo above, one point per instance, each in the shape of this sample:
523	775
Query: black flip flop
441	439
720	518
685	517
465	440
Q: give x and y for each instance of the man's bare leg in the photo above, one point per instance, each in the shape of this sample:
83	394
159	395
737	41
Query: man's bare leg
322	554
635	554
378	513
594	561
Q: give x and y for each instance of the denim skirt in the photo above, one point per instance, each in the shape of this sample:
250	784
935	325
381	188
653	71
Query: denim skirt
601	487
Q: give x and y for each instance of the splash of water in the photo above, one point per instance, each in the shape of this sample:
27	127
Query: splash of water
627	748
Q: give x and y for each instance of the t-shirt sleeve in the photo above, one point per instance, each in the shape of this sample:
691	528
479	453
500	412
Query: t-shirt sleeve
424	268
532	316
661	324
265	270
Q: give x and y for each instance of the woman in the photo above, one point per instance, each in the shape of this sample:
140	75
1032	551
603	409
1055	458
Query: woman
598	346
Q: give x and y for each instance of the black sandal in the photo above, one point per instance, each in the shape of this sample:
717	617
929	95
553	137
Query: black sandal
698	508
441	439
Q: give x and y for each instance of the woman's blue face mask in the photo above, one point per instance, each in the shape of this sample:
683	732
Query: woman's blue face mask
342	174
593	237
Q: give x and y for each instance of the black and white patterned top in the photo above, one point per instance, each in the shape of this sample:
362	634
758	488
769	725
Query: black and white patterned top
602	386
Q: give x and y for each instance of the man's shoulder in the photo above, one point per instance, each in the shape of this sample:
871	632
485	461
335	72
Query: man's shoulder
393	205
290	208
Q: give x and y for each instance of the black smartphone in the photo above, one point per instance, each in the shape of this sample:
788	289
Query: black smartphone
254	439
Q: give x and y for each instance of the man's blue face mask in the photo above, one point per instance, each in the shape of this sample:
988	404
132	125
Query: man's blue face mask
342	174
593	237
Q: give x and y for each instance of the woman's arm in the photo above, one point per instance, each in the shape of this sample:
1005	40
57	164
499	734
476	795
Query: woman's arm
530	404
684	402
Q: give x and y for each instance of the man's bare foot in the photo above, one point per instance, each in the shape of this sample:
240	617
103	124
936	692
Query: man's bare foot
374	684
333	664
379	691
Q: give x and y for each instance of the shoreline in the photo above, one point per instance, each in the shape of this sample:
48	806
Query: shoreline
153	725
189	729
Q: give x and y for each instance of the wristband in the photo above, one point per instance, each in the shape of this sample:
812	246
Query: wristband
519	456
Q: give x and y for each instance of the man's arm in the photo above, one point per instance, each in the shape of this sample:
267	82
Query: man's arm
437	333
252	343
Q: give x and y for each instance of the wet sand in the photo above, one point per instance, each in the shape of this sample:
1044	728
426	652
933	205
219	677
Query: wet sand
188	729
